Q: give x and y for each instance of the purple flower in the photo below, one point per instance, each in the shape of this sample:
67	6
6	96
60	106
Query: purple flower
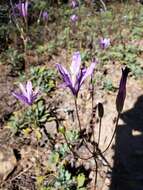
22	9
74	4
104	43
74	18
27	95
45	16
122	90
75	78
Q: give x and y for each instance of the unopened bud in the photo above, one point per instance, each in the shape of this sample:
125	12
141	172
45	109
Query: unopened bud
100	110
122	90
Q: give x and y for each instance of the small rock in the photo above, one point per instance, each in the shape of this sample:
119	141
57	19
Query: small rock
51	128
136	133
7	162
107	181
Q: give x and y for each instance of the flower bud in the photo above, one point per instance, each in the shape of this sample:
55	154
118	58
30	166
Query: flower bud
122	90
100	110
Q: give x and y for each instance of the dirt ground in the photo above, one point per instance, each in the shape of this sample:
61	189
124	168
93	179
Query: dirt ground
125	156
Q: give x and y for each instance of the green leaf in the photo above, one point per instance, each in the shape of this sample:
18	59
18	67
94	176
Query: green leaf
54	158
61	129
80	180
67	175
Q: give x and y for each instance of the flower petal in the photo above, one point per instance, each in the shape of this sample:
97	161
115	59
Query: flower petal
23	9
76	62
21	97
66	77
78	80
26	8
65	74
29	90
89	72
23	90
75	67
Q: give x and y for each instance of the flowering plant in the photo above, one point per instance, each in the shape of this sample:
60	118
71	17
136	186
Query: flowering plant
77	75
27	95
22	9
74	18
104	43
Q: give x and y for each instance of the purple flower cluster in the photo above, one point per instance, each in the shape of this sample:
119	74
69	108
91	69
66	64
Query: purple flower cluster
77	75
45	16
27	95
74	4
104	43
22	9
74	18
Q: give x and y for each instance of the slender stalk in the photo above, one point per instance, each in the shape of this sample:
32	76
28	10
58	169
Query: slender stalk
25	51
96	173
116	125
99	153
93	112
79	124
77	114
21	30
99	133
92	93
92	101
39	17
26	42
